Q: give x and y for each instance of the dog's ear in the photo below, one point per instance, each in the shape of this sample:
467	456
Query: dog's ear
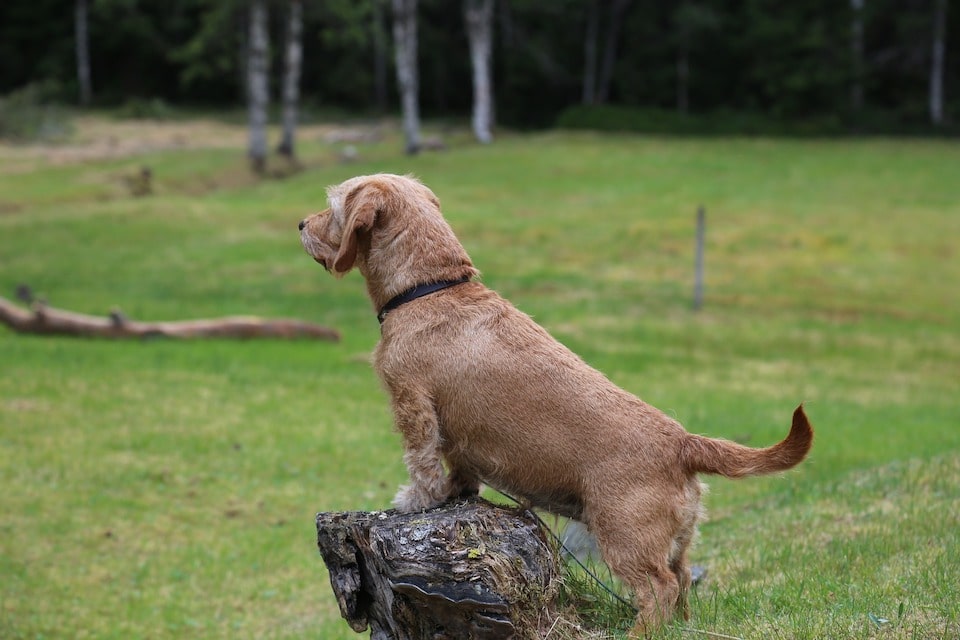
360	209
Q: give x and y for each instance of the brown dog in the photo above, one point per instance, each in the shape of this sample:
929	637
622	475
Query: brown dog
476	384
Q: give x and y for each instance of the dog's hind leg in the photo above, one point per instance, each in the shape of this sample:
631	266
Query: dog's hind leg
462	484
637	546
690	512
417	422
680	567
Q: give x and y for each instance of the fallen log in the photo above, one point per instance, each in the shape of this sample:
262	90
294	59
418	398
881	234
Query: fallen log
44	320
462	570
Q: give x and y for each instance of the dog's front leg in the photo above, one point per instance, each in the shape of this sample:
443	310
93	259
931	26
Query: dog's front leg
417	422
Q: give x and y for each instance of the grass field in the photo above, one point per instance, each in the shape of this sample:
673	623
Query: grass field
167	489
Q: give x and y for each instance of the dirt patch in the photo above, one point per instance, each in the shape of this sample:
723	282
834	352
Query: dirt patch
98	138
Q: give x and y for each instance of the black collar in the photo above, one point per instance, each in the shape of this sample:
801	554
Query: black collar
417	292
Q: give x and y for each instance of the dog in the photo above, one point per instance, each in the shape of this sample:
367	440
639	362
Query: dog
481	393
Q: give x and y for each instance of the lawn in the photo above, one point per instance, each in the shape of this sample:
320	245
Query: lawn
167	489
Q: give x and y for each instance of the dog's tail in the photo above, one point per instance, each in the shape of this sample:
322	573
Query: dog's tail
709	455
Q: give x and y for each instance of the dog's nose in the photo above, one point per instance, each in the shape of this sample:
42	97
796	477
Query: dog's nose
302	224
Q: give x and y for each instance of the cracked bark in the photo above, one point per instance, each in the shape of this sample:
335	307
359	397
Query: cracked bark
462	570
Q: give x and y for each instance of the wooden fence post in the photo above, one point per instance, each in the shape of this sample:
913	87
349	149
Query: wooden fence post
698	275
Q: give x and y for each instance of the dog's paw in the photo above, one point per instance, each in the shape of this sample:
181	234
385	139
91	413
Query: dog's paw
413	498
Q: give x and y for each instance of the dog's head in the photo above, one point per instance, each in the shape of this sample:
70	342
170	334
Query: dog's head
388	226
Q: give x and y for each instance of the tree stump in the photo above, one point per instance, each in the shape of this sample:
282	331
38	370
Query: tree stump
462	570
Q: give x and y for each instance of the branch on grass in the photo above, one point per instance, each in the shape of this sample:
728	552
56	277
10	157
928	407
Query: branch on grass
44	320
462	570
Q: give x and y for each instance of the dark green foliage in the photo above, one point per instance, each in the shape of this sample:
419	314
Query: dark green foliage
28	114
140	108
738	122
788	66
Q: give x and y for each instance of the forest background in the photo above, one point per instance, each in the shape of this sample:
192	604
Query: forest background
725	66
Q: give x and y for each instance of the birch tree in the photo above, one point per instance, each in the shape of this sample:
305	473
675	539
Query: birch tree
83	51
292	63
258	98
479	19
405	43
937	61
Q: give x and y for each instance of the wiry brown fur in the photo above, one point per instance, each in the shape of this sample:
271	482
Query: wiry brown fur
477	386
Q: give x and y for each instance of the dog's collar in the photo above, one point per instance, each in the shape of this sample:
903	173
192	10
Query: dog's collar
417	292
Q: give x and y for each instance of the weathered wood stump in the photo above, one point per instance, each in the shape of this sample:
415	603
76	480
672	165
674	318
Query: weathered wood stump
462	570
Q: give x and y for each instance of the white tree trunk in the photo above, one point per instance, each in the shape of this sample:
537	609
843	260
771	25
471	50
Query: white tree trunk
293	61
405	43
83	52
937	61
258	98
856	55
479	18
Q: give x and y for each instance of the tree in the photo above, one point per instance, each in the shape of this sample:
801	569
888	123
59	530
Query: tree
937	61
617	10
479	19
816	61
856	54
690	21
291	77
793	62
258	97
212	59
83	51
590	53
379	38
405	43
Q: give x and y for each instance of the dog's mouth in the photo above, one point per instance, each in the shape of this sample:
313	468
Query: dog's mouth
310	246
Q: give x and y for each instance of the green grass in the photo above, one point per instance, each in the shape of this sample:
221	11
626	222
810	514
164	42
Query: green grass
167	489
